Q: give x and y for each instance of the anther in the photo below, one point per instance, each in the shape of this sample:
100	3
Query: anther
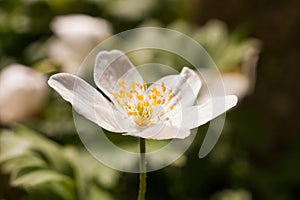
140	97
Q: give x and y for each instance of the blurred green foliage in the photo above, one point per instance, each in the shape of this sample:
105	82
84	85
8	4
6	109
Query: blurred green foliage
47	170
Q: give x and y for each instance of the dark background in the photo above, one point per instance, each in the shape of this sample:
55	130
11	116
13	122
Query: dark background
277	23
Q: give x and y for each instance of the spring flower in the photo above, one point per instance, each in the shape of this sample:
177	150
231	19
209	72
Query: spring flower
22	93
163	110
240	83
75	36
236	59
233	83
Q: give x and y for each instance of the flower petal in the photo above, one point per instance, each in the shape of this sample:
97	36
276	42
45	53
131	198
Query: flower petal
147	132
198	115
184	87
111	67
192	79
87	101
162	132
171	132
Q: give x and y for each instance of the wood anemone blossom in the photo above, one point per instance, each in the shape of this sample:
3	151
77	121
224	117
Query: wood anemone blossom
163	110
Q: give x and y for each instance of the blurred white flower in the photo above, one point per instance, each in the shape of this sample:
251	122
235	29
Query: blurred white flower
75	36
22	93
240	82
233	83
236	60
164	110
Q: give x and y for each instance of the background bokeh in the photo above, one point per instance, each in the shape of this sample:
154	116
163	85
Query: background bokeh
256	47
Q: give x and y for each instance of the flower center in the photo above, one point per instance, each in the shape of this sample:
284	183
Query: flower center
145	106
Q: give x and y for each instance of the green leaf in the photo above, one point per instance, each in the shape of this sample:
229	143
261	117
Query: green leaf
94	170
49	149
96	193
35	179
51	191
30	177
12	146
21	162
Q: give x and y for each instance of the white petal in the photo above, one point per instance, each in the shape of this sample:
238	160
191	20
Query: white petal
148	132
185	87
162	132
112	66
170	132
87	101
198	115
192	79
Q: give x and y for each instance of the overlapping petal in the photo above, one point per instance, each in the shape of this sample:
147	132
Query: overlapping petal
88	102
162	132
185	87
193	80
111	67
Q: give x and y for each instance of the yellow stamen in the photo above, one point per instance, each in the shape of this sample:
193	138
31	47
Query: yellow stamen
115	94
140	107
157	102
140	97
163	87
129	95
122	83
122	94
153	96
157	93
140	86
139	121
132	85
146	103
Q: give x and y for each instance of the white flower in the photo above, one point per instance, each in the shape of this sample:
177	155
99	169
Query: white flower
233	83
163	110
240	83
235	59
22	93
76	35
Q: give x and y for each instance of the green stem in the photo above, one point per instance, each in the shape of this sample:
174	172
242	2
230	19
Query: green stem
142	190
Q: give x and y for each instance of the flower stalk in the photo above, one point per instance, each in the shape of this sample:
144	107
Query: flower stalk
142	187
